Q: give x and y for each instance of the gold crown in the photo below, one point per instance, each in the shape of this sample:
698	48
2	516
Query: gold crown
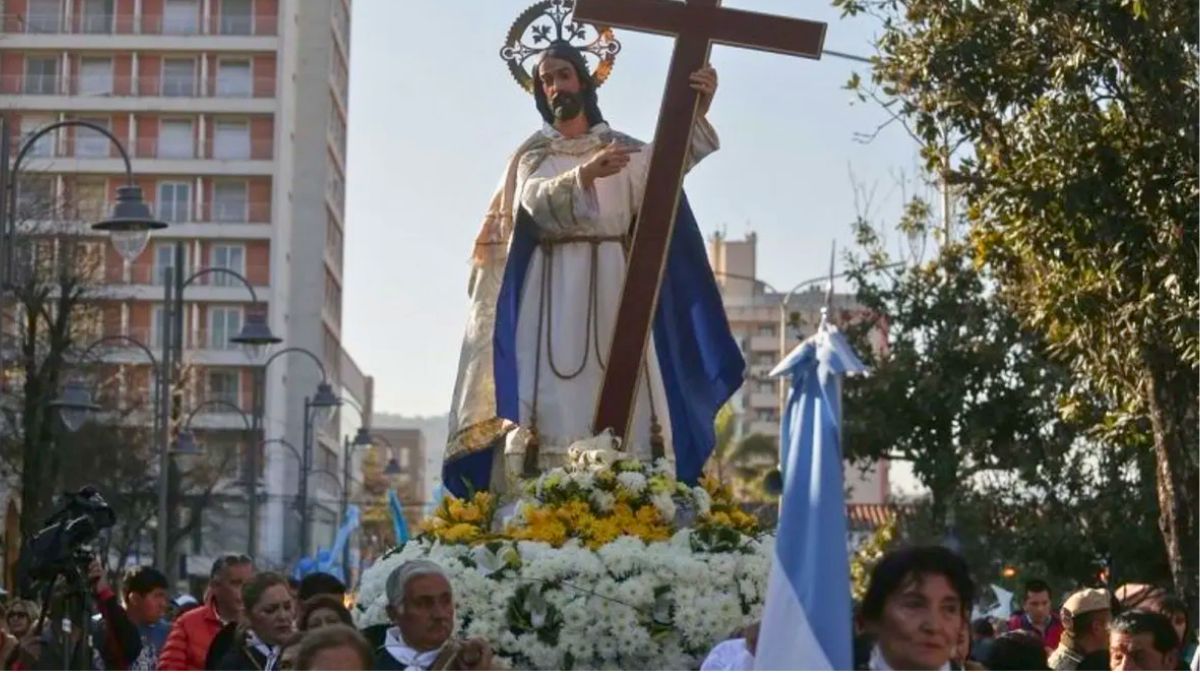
550	22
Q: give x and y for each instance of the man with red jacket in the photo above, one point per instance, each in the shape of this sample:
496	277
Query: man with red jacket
1038	616
187	644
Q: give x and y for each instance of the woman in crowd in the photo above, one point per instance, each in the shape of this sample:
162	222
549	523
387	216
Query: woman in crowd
324	610
269	623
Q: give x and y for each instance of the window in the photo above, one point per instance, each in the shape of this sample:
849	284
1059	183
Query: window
231	140
164	259
92	143
233	78
231	257
89	198
181	17
45	16
236	17
174	201
157	318
224	323
175	139
224	385
95	77
229	202
44	146
179	77
41	75
97	16
35	196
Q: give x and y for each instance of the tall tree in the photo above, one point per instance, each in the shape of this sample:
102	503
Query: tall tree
1077	159
962	390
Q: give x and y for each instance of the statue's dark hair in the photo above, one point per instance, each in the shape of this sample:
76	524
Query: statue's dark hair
566	52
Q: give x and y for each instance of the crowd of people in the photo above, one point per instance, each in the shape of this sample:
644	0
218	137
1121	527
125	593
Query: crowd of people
915	615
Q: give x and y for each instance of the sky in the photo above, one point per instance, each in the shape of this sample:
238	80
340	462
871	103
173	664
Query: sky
434	116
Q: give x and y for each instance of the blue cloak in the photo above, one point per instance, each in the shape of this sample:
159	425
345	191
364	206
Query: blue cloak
700	361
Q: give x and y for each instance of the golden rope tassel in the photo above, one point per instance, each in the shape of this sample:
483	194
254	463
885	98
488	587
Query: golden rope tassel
530	467
658	448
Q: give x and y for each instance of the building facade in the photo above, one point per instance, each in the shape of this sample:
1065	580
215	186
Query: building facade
768	323
234	113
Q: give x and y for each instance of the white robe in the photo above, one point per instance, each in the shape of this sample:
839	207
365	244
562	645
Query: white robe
548	187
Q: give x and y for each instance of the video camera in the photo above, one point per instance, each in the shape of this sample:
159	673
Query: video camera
60	547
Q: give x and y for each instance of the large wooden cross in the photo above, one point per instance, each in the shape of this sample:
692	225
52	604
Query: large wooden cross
696	25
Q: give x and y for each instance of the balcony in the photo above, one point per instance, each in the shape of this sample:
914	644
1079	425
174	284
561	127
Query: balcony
144	282
88	155
127	24
140	93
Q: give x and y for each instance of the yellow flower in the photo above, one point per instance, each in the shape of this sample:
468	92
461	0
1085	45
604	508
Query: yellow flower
462	533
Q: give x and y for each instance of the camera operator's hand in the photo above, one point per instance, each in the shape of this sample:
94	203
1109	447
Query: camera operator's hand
96	576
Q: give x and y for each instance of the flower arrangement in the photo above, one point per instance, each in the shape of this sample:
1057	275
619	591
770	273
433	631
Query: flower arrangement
628	604
610	563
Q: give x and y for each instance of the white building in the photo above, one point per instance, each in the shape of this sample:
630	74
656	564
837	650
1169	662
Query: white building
756	313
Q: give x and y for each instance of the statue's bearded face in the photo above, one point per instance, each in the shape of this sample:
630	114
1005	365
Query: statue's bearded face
561	86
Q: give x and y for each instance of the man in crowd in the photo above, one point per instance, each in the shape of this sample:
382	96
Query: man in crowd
421	607
191	636
1085	617
916	607
1038	616
1142	640
146	603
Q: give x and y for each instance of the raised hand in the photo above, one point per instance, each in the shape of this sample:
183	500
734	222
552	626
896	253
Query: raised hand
610	160
705	82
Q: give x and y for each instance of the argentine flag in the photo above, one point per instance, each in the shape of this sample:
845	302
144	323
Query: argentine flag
806	621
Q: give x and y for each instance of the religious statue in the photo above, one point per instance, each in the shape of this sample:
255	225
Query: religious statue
548	272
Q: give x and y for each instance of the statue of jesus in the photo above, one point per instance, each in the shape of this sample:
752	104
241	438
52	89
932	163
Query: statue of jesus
548	269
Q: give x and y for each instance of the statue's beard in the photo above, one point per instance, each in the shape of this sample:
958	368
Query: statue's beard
566	105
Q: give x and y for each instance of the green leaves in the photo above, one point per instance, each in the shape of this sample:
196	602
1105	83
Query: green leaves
1078	126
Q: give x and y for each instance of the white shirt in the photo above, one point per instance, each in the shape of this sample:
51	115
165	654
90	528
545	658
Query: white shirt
729	655
410	658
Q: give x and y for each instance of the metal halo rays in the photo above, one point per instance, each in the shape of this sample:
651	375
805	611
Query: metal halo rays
546	23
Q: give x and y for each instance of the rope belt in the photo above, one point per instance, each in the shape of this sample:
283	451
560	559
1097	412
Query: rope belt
591	336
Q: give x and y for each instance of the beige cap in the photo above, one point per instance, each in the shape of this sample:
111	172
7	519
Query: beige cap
1087	600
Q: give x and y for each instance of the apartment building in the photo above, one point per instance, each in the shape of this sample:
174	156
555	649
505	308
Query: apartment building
234	115
757	312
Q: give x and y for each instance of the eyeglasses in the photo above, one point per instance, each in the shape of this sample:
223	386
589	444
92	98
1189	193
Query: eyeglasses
18	615
229	561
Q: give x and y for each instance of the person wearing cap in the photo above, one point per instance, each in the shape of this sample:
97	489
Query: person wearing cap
1085	616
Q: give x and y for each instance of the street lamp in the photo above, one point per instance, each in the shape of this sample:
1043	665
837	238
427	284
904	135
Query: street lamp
74	405
255	337
130	224
253	333
319	405
324	394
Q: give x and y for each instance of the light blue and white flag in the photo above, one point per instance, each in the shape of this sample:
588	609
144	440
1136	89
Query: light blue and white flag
806	622
399	524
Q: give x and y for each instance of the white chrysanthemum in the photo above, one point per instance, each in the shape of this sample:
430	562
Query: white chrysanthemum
633	481
702	499
584	479
664	504
603	501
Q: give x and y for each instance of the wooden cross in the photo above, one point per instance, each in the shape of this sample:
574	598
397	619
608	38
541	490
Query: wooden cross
695	25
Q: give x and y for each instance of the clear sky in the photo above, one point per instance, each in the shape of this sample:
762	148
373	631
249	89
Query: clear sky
434	116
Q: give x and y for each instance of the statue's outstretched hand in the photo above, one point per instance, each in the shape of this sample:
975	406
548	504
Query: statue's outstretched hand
705	82
610	160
